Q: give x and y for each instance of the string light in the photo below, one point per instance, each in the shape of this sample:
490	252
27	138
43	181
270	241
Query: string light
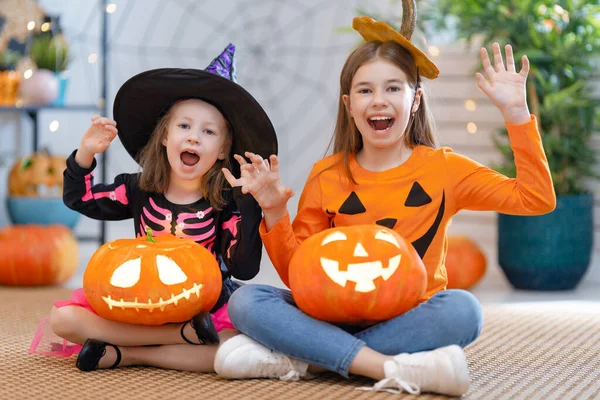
31	25
471	127
53	126
470	105
92	58
28	73
111	8
45	27
434	51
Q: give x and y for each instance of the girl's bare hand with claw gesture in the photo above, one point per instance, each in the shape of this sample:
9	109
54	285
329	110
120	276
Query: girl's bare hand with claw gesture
261	179
504	85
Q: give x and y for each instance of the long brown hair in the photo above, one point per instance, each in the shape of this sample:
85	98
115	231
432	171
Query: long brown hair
346	138
156	170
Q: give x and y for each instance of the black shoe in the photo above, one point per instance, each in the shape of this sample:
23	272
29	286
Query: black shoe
91	353
204	327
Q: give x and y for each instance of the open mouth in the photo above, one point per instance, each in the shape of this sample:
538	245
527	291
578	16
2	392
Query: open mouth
189	158
381	123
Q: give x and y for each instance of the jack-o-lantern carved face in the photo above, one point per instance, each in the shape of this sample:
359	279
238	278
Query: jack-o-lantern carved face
39	174
152	281
365	268
356	274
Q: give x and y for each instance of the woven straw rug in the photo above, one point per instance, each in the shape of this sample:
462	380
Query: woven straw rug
520	355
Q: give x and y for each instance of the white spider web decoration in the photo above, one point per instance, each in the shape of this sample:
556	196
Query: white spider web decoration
289	55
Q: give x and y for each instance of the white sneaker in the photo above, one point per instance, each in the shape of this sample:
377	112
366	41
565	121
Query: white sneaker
242	357
443	371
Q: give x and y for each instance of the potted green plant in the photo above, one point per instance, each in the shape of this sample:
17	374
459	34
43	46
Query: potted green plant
562	40
52	53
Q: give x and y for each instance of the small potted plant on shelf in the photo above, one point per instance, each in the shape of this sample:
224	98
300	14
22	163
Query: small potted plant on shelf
9	79
51	53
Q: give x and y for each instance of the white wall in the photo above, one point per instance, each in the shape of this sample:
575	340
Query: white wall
289	57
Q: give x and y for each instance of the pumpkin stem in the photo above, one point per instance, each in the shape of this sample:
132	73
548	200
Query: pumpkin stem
149	237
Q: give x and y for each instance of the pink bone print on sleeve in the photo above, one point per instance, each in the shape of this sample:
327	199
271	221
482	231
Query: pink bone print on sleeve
232	224
119	194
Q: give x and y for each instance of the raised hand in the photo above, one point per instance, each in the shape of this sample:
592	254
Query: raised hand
95	140
261	179
99	135
504	86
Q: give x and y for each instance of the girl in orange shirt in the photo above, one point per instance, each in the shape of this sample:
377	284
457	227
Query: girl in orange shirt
384	149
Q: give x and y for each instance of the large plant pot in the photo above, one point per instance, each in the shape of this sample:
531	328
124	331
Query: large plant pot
548	252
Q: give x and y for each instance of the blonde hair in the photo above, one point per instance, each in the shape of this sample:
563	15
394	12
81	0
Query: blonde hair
156	170
346	138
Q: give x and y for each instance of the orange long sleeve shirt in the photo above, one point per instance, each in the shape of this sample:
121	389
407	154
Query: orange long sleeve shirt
417	199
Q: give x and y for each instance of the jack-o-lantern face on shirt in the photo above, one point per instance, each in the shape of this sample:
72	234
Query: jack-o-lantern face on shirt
152	282
416	202
357	274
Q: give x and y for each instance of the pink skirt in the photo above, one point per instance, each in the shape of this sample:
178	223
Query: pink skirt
46	343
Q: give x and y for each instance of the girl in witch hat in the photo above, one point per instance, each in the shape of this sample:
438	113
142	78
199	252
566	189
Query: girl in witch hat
181	126
386	170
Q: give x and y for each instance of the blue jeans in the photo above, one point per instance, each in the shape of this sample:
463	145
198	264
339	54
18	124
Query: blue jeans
270	316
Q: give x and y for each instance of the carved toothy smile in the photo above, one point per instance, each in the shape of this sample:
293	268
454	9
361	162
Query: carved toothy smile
363	274
149	305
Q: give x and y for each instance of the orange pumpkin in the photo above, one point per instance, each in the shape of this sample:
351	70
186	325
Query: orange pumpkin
152	281
358	274
39	174
36	255
465	262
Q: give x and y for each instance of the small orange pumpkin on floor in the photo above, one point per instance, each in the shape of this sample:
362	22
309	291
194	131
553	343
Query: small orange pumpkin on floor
357	274
36	255
465	262
152	280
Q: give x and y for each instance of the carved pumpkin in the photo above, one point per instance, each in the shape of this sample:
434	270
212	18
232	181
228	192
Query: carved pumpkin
465	263
152	281
39	174
358	274
35	255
